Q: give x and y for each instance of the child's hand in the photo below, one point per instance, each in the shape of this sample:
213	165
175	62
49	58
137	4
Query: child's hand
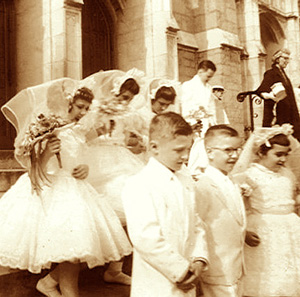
189	282
252	239
53	145
192	277
81	171
197	268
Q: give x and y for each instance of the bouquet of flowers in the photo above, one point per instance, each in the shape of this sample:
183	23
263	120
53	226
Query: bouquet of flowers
195	118
101	115
112	107
38	131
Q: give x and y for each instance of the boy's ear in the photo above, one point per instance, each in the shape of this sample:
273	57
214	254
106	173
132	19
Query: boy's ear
153	146
209	153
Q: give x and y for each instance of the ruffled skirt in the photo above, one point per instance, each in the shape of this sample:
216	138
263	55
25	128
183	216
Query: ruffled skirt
110	167
69	221
273	267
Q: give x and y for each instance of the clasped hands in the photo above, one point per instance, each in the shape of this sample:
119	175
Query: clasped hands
192	277
252	239
53	147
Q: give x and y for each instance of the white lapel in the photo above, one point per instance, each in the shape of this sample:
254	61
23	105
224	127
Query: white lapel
227	193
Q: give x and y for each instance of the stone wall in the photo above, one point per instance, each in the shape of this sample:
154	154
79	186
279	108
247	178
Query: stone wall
131	36
228	74
29	43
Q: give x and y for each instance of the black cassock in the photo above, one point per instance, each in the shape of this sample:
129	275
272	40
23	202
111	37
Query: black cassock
286	109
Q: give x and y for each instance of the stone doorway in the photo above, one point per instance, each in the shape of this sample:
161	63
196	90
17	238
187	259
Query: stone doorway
97	37
7	69
272	35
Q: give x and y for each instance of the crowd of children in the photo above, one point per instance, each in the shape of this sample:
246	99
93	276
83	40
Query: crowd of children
111	151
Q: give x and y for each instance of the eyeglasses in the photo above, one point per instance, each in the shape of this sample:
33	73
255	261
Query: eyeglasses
229	150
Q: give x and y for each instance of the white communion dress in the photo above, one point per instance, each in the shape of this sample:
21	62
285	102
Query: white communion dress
112	163
273	267
68	221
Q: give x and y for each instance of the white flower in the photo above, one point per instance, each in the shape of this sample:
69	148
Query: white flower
246	190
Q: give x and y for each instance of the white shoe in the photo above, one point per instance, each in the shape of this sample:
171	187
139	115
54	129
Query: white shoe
49	291
119	278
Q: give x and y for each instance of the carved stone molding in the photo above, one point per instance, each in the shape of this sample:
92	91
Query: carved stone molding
74	3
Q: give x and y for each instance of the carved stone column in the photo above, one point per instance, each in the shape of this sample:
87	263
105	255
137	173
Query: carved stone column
62	39
73	58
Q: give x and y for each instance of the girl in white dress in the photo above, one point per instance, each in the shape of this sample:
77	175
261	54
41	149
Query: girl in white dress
117	153
272	254
52	214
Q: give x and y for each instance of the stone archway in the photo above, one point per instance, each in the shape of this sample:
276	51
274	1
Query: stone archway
7	69
97	37
272	35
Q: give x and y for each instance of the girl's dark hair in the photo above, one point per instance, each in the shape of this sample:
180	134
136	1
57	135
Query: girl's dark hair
130	85
280	139
84	94
167	93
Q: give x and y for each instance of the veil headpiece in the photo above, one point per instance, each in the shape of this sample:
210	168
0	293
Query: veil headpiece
158	83
133	73
25	106
106	84
261	136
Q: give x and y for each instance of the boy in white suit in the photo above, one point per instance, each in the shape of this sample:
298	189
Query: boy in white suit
169	244
221	207
197	93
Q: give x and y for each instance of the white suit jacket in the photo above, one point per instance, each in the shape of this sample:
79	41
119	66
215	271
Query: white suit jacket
195	93
221	207
164	228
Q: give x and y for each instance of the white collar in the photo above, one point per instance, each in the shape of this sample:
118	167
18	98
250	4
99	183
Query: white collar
163	171
216	174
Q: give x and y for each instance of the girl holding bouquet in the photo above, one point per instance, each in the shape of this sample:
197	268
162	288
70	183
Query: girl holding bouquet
52	214
116	150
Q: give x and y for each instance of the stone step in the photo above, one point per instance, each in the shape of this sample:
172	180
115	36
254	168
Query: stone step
10	170
8	177
8	161
91	283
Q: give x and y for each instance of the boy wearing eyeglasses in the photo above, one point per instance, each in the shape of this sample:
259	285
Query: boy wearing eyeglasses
221	207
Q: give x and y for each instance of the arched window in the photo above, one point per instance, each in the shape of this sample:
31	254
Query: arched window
272	35
97	37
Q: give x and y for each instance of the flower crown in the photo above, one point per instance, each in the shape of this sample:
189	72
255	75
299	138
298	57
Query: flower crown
163	83
133	73
263	135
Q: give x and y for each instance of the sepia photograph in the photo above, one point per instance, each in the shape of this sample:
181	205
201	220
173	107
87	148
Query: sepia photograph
149	148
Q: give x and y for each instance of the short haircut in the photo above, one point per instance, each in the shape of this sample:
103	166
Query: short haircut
280	139
130	85
219	130
207	64
84	94
169	125
167	93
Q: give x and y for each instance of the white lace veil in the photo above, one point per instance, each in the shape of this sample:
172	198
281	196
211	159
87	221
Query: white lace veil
23	108
54	97
154	84
257	138
107	84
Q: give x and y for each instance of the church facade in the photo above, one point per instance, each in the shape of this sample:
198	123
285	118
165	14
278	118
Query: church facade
46	39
